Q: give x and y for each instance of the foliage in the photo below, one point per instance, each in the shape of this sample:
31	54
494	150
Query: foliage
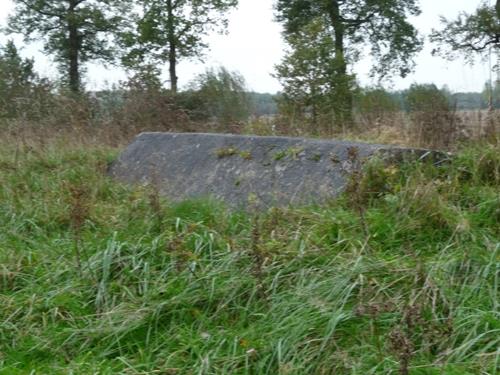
145	105
470	34
218	95
381	24
472	100
171	30
22	92
193	288
426	97
350	26
73	31
376	106
313	88
433	119
264	104
144	78
491	92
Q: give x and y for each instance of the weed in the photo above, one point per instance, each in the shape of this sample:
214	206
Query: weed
291	152
354	190
78	214
279	155
294	152
334	158
155	203
403	347
246	155
316	157
231	151
226	152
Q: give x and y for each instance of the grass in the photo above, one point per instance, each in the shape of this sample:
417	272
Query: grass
97	277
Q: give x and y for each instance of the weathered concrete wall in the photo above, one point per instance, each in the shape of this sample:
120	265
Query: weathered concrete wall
244	169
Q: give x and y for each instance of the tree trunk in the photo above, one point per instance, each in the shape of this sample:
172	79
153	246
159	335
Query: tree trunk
172	61
338	28
172	54
73	50
343	94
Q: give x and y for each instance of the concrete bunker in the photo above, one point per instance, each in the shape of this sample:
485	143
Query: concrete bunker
244	169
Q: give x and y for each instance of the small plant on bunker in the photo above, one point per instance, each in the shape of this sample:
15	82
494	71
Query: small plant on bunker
334	158
279	155
246	155
316	157
225	152
294	152
291	152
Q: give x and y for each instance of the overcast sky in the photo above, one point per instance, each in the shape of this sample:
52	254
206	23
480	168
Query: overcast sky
254	45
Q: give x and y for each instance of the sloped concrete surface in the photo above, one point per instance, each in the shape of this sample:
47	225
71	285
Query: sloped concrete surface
243	170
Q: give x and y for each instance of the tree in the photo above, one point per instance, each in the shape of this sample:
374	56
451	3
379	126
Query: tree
470	34
381	24
309	73
19	83
74	31
16	73
170	30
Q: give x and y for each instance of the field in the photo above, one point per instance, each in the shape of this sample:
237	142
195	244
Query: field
398	276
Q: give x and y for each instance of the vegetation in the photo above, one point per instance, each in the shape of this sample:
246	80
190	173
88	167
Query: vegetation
263	104
336	31
398	275
376	106
73	31
431	116
312	87
218	95
97	277
320	94
22	92
170	30
469	35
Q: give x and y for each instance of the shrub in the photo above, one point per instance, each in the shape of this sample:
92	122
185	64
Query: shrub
376	107
433	121
218	95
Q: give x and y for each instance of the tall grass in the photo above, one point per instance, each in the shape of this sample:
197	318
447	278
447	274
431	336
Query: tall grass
193	288
115	116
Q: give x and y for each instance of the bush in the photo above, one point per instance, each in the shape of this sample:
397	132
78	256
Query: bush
376	107
433	121
146	105
218	95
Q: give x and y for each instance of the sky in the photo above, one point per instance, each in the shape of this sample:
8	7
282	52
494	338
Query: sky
253	46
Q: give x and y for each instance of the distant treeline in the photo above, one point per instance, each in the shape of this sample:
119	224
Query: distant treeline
459	100
264	104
